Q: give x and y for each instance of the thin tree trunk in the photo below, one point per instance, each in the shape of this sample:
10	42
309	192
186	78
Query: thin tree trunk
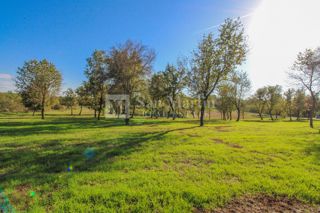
71	111
270	114
312	110
80	110
238	115
203	103
133	110
34	111
42	107
100	106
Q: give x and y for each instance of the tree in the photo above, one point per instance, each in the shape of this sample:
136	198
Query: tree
306	72
174	80
225	100
83	98
240	87
273	97
214	59
299	102
259	99
289	94
156	91
69	99
129	64
97	72
11	102
38	82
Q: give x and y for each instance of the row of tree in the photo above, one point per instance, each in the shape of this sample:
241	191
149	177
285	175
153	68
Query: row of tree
210	74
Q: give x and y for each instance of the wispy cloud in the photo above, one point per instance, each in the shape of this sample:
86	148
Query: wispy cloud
5	76
6	82
217	25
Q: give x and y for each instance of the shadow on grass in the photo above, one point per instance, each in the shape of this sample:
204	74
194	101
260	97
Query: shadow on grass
56	125
37	165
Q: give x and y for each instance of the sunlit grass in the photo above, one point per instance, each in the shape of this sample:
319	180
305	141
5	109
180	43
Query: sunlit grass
153	165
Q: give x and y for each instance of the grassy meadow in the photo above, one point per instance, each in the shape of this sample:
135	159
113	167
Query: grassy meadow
78	164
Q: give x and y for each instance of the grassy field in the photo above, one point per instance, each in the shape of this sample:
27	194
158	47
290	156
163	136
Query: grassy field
66	164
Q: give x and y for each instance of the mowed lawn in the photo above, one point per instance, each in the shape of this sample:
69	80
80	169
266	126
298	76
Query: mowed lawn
78	164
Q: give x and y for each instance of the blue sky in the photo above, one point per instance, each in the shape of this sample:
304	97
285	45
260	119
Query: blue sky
67	32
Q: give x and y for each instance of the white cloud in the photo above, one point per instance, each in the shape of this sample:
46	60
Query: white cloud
6	82
278	30
5	76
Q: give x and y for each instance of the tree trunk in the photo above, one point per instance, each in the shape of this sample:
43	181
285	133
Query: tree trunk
95	113
133	110
203	103
313	106
230	115
270	114
80	110
71	111
42	107
100	106
311	118
34	111
260	115
238	115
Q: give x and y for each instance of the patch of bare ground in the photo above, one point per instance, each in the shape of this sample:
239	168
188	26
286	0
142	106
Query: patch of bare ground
233	145
265	203
222	128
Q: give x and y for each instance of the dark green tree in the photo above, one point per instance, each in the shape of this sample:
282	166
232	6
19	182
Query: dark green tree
38	82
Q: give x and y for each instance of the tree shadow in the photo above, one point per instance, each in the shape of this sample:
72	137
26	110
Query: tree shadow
38	164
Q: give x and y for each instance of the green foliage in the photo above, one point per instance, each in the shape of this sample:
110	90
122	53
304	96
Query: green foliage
153	165
38	82
97	72
69	99
11	102
306	73
215	59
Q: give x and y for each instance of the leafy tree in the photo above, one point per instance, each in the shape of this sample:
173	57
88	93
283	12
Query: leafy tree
37	82
225	100
156	91
174	81
11	102
97	72
259	99
129	65
273	97
215	59
240	87
299	102
306	72
83	98
69	99
289	94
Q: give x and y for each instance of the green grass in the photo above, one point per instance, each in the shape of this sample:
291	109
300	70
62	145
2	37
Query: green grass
153	165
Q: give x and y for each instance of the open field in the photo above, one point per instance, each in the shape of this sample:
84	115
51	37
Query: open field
66	164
